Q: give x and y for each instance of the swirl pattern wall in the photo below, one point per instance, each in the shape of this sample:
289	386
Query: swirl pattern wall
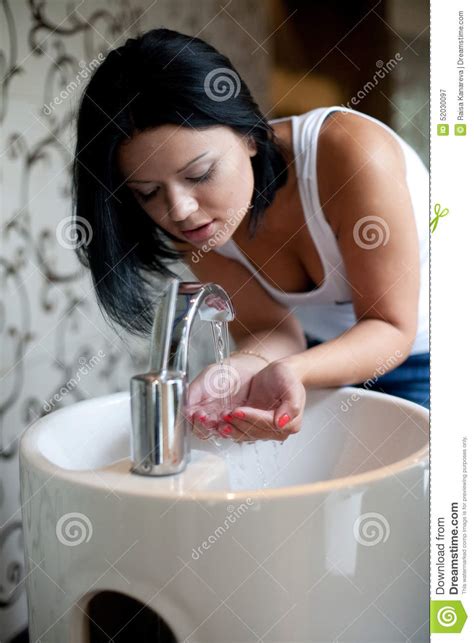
56	348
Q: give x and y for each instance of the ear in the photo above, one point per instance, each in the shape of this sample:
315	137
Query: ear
252	146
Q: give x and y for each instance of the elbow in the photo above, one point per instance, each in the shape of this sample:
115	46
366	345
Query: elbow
406	338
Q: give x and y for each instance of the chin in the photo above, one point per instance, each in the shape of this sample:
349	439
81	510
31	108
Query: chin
215	241
224	232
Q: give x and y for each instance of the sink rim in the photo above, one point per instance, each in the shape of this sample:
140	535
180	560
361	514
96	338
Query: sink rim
161	486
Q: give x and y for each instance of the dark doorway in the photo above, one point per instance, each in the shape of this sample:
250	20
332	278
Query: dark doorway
122	619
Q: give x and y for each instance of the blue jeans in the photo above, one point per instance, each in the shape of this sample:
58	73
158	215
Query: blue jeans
410	380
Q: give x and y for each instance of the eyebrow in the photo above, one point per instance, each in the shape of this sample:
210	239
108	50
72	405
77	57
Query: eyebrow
181	170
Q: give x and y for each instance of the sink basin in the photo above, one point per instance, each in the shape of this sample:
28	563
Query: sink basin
323	537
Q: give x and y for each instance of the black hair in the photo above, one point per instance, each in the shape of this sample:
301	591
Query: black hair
161	77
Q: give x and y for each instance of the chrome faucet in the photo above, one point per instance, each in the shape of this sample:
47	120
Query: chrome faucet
160	430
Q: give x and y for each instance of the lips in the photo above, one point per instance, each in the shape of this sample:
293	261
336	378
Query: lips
202	232
197	227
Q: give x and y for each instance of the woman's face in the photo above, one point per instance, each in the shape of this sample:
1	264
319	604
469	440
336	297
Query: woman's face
186	178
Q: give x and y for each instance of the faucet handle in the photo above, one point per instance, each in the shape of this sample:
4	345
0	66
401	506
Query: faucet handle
162	330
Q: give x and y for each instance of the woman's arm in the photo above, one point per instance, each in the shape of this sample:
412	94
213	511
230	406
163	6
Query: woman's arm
361	178
352	357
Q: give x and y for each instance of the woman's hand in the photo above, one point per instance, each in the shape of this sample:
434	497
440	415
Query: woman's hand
273	408
214	387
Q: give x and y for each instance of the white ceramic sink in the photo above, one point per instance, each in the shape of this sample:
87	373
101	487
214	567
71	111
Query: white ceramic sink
321	538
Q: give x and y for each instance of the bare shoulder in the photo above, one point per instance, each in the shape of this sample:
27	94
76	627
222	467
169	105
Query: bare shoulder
350	138
354	153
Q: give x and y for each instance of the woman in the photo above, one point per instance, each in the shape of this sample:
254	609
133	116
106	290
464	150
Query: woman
314	225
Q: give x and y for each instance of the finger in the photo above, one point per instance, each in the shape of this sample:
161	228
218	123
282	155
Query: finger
201	416
289	409
208	426
208	419
241	435
250	414
241	431
228	429
202	426
253	427
258	419
250	425
202	434
197	429
294	425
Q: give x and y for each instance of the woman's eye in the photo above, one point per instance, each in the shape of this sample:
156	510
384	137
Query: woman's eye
147	197
201	179
194	179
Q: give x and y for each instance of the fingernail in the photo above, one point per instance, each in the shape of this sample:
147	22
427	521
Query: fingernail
202	418
227	417
283	420
239	414
226	430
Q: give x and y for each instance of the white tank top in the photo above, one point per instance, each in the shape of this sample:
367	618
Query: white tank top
327	311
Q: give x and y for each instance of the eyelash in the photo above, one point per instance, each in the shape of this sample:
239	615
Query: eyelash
199	179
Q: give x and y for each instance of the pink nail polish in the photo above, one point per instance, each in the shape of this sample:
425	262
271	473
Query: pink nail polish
226	430
227	417
239	414
283	420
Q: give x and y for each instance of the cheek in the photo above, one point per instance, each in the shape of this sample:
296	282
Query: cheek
236	187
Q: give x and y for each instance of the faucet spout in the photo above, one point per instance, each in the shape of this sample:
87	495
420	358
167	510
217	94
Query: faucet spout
160	429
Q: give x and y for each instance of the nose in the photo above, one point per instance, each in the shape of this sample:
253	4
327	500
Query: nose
181	205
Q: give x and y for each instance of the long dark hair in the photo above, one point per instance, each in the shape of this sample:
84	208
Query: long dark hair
156	79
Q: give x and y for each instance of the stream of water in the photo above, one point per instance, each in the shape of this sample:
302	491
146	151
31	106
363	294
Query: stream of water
227	381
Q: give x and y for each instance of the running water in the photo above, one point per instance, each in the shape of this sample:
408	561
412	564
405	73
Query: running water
223	381
226	382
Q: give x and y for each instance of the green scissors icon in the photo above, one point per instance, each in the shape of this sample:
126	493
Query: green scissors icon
438	215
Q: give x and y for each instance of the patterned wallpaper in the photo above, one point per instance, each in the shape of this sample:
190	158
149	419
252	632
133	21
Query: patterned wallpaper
56	348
